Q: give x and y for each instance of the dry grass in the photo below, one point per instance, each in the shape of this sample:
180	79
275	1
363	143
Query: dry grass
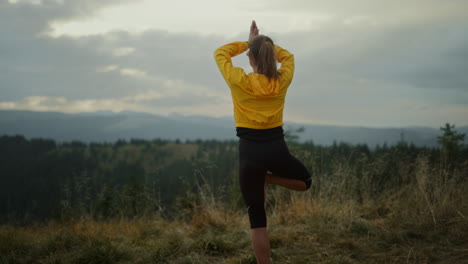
424	222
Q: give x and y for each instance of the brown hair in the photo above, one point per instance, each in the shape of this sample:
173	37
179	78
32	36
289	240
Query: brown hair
262	51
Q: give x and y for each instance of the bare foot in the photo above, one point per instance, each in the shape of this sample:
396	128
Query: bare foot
292	184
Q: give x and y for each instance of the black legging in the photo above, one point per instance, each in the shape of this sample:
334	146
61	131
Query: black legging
256	158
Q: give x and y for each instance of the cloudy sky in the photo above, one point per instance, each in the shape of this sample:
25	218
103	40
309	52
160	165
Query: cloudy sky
374	63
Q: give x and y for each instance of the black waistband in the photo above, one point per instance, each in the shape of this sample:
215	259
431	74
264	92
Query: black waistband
260	134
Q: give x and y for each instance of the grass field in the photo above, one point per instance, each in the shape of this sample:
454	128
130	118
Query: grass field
425	221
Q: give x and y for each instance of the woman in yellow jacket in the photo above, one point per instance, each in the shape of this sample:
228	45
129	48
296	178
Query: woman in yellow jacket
258	99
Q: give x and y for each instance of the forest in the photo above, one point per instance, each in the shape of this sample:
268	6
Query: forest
41	179
159	201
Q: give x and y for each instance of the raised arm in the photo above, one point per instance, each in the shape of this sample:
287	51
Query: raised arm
223	59
286	59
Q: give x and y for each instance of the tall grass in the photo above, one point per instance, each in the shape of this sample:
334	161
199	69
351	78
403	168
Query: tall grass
349	216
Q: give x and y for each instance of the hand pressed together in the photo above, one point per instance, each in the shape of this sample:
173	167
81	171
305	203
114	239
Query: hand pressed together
253	31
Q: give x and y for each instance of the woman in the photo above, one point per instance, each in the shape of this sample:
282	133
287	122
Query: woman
258	99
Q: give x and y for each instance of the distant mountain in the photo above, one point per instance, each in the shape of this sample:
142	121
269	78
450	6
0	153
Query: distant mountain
109	127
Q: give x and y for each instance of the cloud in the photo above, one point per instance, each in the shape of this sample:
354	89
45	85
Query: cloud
86	68
201	17
133	73
150	102
123	51
380	10
363	62
108	68
422	62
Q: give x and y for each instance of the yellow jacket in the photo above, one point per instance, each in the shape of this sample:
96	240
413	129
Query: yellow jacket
258	101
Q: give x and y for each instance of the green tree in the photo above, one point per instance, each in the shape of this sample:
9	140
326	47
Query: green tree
450	142
291	135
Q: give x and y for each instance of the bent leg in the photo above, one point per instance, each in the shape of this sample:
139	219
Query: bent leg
292	184
289	173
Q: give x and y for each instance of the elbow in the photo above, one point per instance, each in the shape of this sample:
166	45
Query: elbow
290	58
218	55
286	59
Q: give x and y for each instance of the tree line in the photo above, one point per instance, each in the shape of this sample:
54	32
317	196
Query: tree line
41	179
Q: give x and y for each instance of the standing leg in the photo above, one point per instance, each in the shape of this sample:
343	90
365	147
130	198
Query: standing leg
252	183
261	245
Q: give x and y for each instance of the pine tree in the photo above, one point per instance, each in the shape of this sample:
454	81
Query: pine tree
450	142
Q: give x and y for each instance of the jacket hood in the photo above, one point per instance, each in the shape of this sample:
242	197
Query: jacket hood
263	86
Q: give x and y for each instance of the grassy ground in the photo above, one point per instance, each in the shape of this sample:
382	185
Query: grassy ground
302	230
424	221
